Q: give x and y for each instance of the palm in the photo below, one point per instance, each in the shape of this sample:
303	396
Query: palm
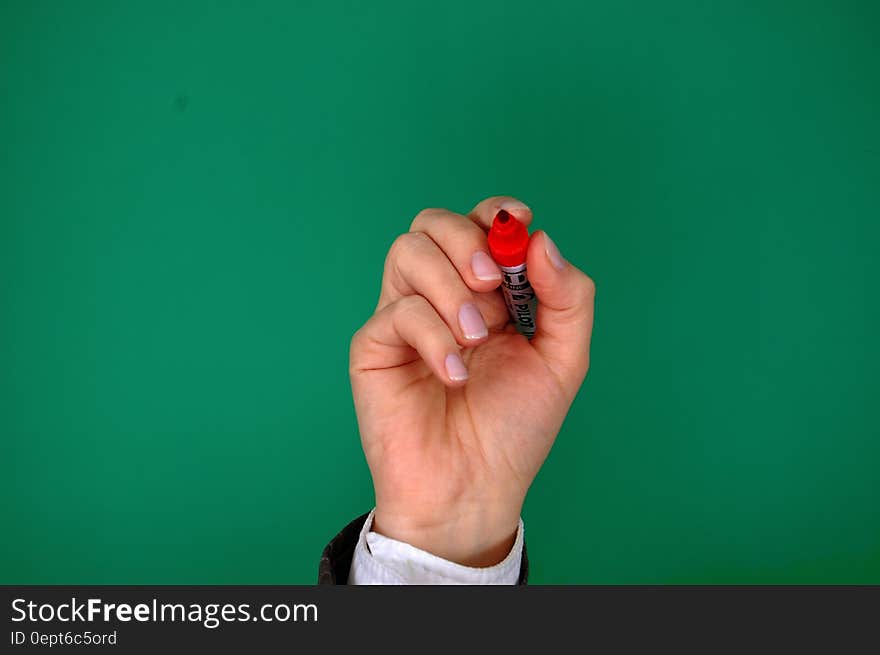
425	439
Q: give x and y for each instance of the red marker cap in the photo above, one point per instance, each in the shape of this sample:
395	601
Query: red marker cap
508	240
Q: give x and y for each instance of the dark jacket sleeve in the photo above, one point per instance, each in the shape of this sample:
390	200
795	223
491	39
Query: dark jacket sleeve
336	558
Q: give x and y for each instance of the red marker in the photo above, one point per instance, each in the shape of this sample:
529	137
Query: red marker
508	243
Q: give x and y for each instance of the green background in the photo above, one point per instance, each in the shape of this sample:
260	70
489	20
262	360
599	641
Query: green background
196	200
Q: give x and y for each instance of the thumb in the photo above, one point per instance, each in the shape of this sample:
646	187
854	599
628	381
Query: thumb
565	311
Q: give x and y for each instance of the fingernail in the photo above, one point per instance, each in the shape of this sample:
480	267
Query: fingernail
455	368
471	321
483	267
515	207
553	253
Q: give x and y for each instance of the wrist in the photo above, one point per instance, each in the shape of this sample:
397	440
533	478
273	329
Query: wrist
478	537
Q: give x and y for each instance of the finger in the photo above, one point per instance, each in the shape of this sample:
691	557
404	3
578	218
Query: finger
416	266
403	332
565	311
484	213
464	244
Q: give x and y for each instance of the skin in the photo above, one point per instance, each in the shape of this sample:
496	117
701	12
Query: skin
453	459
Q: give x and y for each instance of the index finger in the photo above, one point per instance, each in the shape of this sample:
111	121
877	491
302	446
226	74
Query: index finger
484	213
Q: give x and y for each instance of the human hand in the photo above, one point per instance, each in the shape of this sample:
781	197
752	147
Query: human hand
457	411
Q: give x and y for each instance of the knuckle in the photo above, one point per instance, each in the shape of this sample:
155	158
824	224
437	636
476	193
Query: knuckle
588	287
423	216
357	339
409	305
494	201
397	246
418	240
405	245
410	312
355	347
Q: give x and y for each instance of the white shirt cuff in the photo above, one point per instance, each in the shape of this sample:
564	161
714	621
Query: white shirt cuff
381	560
